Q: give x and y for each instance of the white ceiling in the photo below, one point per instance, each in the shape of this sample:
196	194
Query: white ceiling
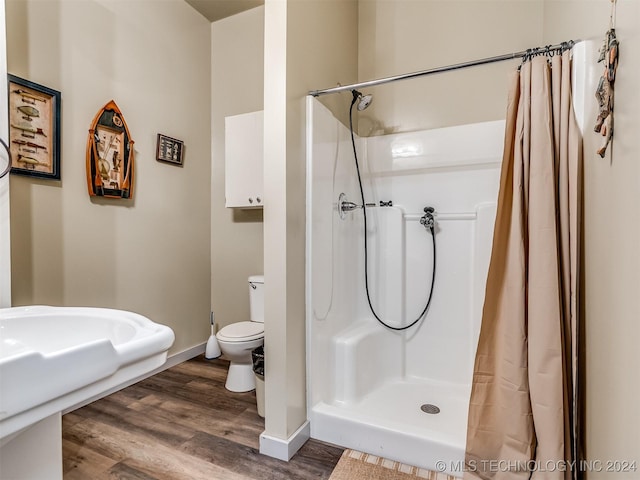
214	10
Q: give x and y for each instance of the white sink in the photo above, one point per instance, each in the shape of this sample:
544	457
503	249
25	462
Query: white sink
52	358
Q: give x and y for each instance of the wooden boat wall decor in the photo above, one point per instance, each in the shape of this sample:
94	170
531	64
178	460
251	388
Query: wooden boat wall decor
110	155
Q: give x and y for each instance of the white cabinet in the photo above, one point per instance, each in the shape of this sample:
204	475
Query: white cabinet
243	160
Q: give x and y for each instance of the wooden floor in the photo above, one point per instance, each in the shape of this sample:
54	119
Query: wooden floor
180	424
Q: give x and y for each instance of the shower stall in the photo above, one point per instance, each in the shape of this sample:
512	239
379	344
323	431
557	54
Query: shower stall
398	394
402	395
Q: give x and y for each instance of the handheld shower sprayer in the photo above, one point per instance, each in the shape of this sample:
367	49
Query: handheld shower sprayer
344	206
363	100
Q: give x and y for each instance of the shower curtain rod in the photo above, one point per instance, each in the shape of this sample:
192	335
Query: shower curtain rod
473	63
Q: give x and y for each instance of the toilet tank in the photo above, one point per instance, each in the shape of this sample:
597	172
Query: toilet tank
256	298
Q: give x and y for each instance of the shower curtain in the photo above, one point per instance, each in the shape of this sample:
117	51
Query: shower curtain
523	409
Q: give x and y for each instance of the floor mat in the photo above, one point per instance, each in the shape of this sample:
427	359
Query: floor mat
354	465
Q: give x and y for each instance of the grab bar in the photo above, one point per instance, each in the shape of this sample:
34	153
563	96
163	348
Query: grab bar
413	217
8	168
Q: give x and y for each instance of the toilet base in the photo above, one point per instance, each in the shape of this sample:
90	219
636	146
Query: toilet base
240	378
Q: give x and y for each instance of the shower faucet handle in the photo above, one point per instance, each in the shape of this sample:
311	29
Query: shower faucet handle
347	206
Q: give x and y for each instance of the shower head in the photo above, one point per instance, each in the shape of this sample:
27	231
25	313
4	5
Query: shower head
363	100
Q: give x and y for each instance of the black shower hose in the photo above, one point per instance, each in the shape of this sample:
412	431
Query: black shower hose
366	262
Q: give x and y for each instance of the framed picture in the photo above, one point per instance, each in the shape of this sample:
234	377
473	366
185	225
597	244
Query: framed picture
34	129
110	155
169	150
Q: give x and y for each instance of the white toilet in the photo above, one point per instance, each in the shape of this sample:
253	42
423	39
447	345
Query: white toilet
238	339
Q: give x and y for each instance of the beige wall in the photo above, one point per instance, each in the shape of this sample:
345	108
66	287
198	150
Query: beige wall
150	255
5	234
308	45
237	86
403	36
612	237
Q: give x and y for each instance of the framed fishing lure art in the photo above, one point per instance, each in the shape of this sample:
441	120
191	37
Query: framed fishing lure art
110	155
34	128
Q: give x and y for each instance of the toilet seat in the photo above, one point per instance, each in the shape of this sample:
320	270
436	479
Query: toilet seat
241	332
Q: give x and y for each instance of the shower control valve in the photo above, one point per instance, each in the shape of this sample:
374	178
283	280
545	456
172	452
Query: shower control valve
345	206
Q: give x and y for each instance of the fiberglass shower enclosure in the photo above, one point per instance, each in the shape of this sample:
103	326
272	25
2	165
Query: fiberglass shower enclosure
371	388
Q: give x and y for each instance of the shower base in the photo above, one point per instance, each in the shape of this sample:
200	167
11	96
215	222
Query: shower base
389	422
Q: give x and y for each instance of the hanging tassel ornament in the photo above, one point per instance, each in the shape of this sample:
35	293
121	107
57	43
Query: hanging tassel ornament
604	93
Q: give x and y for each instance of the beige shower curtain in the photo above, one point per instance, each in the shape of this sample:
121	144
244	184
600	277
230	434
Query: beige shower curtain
523	409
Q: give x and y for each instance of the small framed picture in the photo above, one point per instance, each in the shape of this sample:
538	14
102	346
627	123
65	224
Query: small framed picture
34	129
170	150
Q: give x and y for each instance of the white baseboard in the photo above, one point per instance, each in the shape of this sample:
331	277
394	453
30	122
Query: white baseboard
172	361
180	357
285	449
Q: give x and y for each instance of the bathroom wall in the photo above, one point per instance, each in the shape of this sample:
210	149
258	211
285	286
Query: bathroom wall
405	36
237	86
150	254
5	236
308	45
611	238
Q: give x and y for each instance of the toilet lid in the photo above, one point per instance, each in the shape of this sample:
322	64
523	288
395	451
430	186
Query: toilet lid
242	332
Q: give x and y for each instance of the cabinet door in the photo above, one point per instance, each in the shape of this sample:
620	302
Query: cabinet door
243	160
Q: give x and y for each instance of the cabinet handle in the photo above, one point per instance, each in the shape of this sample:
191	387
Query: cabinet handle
250	200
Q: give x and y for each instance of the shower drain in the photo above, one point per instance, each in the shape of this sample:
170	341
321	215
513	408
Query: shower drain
430	408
